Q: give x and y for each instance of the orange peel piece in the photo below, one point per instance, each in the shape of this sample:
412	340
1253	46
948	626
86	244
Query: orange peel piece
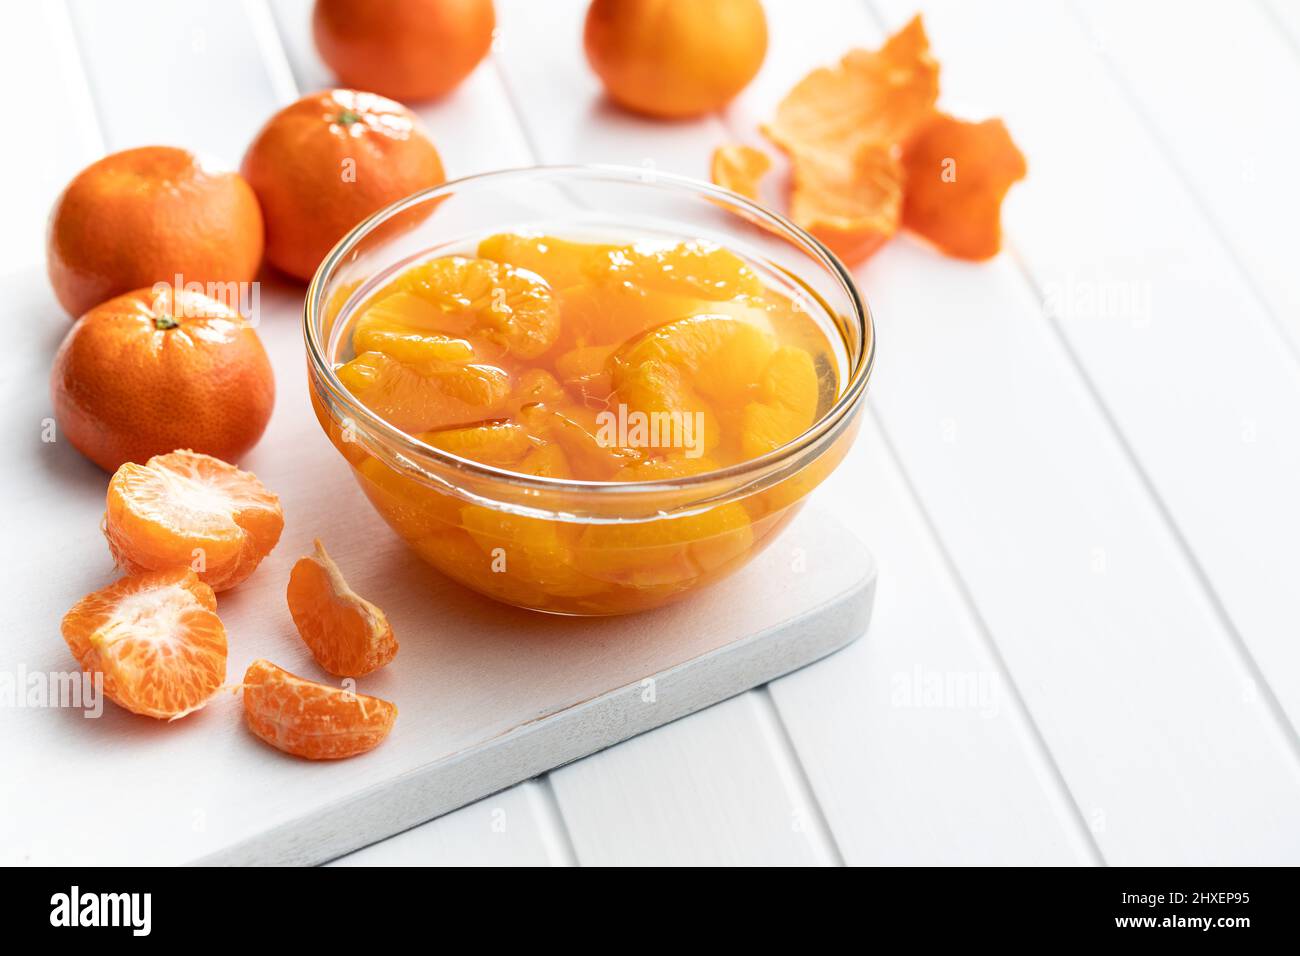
346	634
852	206
869	97
739	168
957	173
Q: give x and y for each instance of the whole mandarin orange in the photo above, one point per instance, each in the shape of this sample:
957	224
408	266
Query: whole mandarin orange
675	58
149	372
148	215
326	162
406	49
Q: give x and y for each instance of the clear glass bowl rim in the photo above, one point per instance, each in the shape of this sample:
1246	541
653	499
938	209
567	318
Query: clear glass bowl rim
416	451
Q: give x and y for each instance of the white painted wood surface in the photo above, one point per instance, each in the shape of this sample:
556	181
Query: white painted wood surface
1084	516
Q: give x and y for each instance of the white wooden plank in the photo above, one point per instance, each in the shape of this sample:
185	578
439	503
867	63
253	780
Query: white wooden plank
1173	340
828	717
38	52
938	699
710	791
886	726
1286	14
1066	556
196	76
191	46
1221	128
563	108
506	829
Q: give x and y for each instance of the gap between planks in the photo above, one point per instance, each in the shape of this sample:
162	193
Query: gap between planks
1231	631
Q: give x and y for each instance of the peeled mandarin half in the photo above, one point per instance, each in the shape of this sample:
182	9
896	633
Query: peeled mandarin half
190	510
346	634
311	720
156	640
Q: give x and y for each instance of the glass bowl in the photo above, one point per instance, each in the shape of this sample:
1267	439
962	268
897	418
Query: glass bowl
568	546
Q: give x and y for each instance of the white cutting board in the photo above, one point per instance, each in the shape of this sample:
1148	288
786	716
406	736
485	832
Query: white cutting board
488	695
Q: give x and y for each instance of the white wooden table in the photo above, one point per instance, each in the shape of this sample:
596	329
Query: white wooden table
1080	474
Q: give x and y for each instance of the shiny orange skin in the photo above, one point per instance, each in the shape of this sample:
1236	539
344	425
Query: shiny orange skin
326	162
406	49
147	215
675	58
144	374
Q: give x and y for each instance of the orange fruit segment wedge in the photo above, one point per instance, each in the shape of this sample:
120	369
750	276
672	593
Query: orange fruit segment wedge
403	326
346	634
312	720
739	168
428	395
561	262
722	355
493	443
788	405
155	638
957	175
183	510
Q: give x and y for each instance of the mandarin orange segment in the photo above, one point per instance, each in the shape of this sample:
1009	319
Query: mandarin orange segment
790	392
852	205
660	410
546	461
585	372
424	396
634	287
508	306
561	262
312	720
346	634
190	510
722	355
493	443
739	168
404	326
692	545
957	175
156	639
584	437
694	268
663	469
414	509
539	550
536	387
869	98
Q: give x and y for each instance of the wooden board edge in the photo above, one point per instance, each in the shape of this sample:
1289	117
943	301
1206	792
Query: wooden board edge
573	733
